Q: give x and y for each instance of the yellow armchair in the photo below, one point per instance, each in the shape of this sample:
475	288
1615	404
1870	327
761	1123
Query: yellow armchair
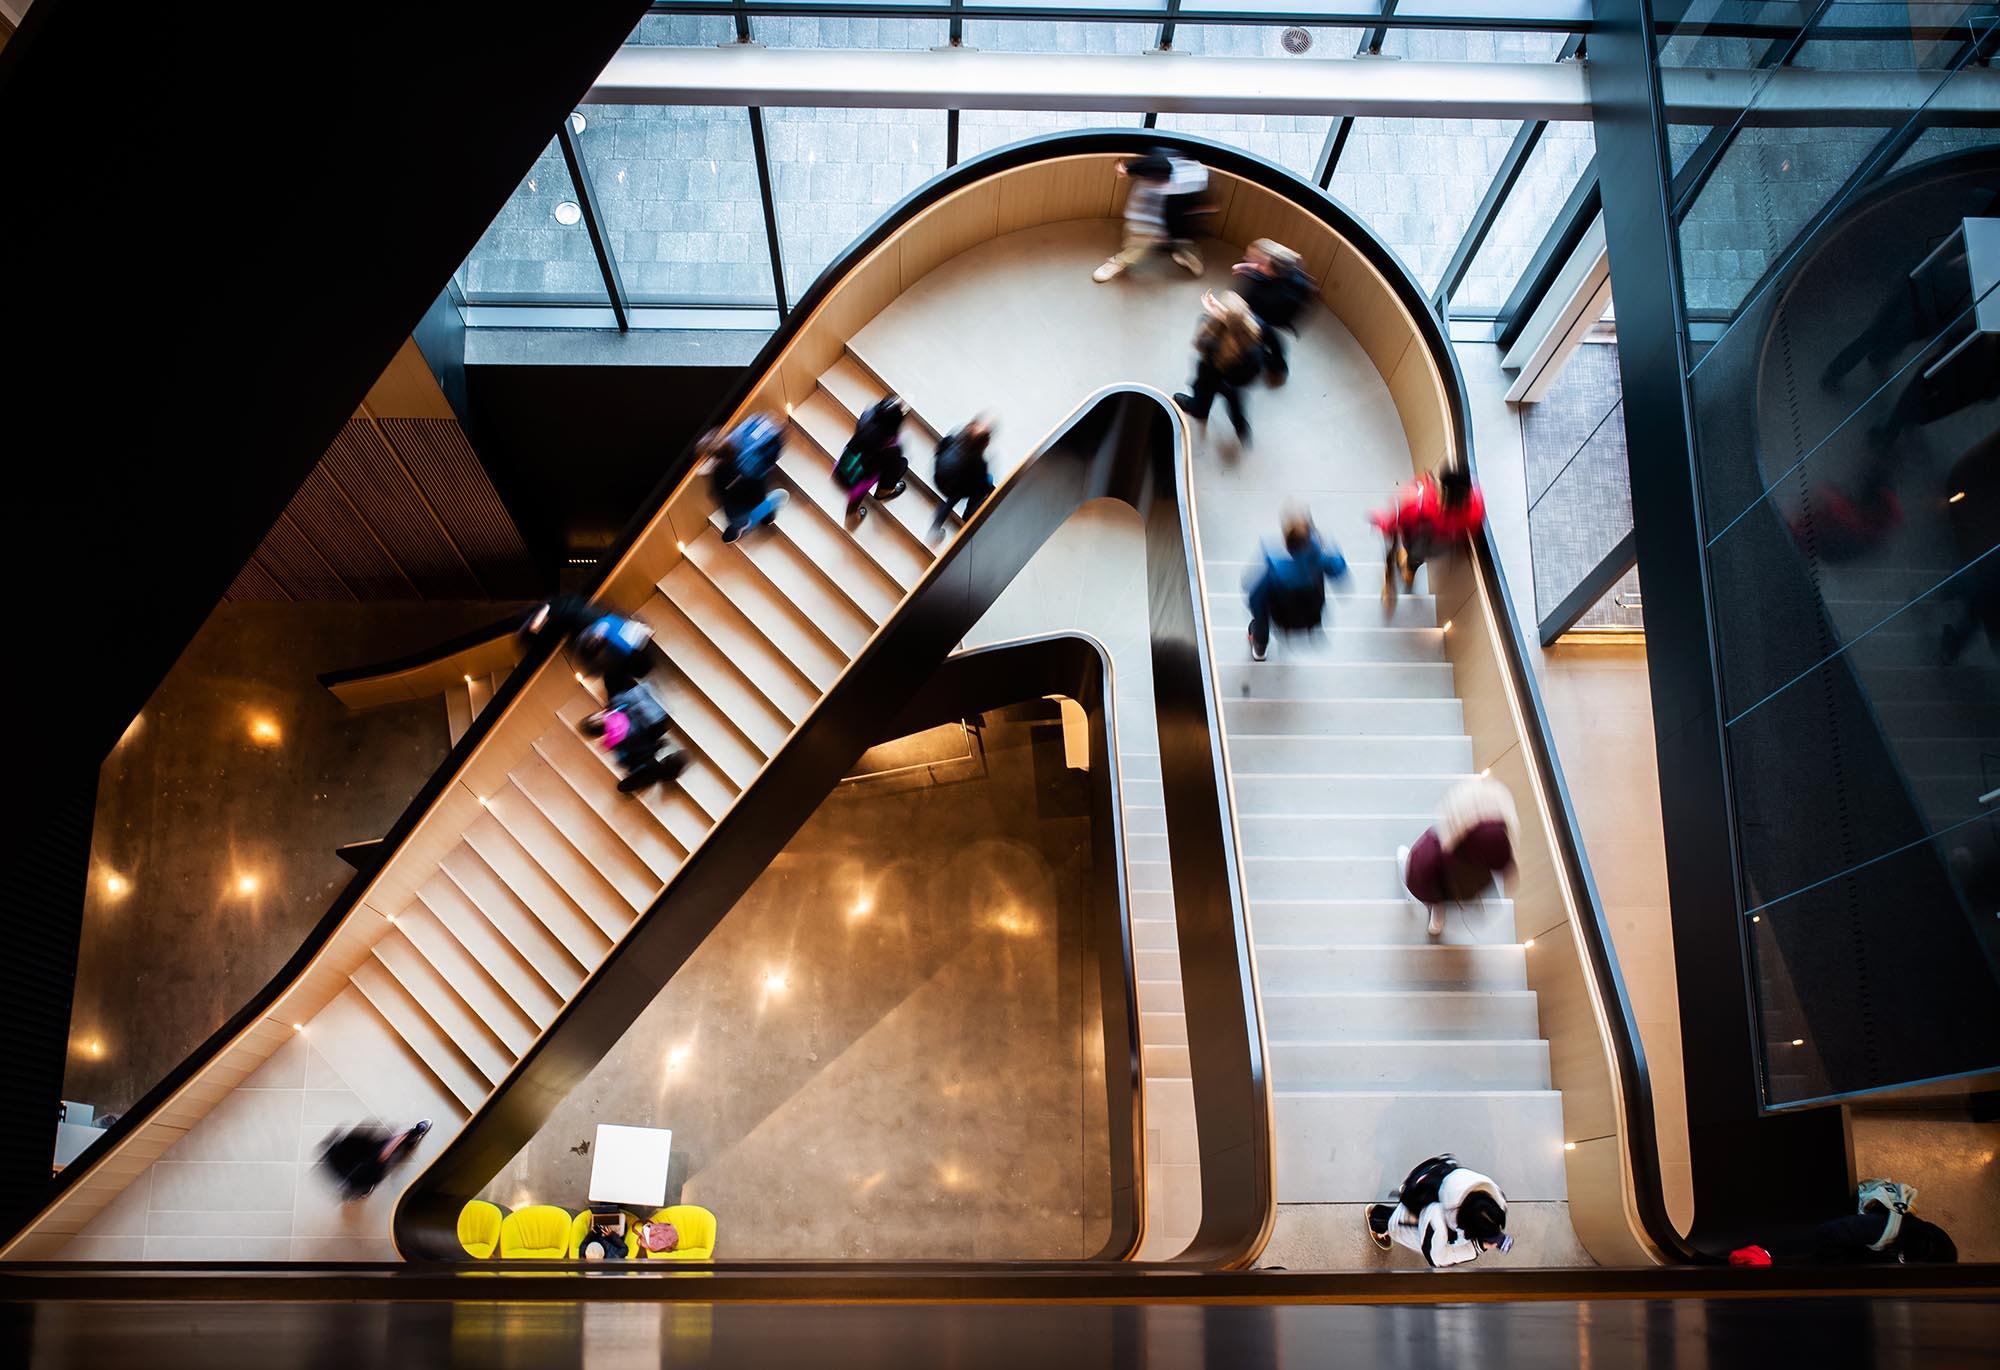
479	1224
539	1232
697	1228
579	1228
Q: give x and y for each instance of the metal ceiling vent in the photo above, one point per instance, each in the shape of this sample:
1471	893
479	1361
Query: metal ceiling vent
1296	41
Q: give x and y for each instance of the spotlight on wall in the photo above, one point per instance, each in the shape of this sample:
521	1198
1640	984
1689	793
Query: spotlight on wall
264	731
246	884
116	884
774	982
568	212
1956	497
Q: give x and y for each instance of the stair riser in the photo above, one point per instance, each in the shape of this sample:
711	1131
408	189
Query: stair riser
1328	835
1418	1067
1343	717
1325	970
1400	1017
1378	923
1353	1148
1404	756
1331	878
1274	679
1394	793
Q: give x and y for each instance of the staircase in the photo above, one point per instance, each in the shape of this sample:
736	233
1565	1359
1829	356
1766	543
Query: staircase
467	699
1386	1046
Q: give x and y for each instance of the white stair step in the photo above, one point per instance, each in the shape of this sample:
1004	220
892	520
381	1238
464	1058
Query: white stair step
788	626
851	385
1139	765
1321	970
1332	793
1275	679
879	537
533	888
1354	1147
1364	570
457	710
444	1006
1141	846
1154	934
1377	922
1151	903
1307	755
1149	876
1343	718
1164	1028
680	807
1167	1061
475	984
599	843
579	880
1327	877
1399	1015
1230	642
843	597
1145	820
715	672
1328	834
558	967
830	426
440	1055
712	614
572	757
702	724
1141	795
478	690
1160	996
1417	1067
1229	604
517	969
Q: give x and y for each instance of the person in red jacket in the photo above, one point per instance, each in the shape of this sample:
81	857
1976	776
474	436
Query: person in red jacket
1432	514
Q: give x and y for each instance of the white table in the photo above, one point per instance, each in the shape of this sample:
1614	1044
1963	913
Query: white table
629	1165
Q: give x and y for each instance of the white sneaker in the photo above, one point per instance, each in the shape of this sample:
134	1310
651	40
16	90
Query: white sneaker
1190	262
1435	927
1109	271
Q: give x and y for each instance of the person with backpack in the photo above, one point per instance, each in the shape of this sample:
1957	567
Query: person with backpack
633	728
1289	589
1445	1212
1432	514
1229	354
606	645
739	464
962	473
1461	854
1168	192
1276	287
873	458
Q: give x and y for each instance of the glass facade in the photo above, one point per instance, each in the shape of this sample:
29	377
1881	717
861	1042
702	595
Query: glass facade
687	208
1846	400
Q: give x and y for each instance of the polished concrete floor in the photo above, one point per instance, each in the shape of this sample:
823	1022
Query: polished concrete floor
1953	1161
218	813
891	1047
1934	1334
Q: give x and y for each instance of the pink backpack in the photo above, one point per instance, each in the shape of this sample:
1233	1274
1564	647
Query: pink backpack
660	1236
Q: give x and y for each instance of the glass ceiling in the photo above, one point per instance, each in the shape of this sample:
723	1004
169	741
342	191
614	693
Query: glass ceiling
688	204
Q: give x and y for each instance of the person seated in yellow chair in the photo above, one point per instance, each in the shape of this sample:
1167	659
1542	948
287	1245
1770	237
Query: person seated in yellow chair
603	1237
684	1232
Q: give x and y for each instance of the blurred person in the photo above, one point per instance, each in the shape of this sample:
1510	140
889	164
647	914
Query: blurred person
359	1158
1229	354
962	473
1846	526
633	728
1462	853
1443	1211
873	458
1276	287
1431	515
1167	190
1289	589
739	462
606	645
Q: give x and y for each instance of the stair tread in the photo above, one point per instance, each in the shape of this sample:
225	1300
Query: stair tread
787	625
460	968
513	967
425	1040
600	843
445	1006
579	879
533	888
569	755
705	606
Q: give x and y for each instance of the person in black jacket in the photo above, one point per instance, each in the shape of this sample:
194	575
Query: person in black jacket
1276	287
1229	354
873	459
962	473
359	1158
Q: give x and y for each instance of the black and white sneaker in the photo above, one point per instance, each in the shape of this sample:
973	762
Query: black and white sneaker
1256	652
1378	1216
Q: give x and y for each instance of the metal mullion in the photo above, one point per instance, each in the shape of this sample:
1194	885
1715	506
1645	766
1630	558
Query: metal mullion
951	138
1336	136
1256	18
770	208
1371	42
1707	154
956	33
1497	190
1557	245
742	23
1166	42
1152	119
1591	587
586	198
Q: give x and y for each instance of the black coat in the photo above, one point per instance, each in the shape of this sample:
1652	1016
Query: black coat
1275	299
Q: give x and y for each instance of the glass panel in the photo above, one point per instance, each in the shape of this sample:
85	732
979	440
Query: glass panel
1253	40
982	130
1293	141
1417	182
1051	35
1544	186
536	250
683	30
834	31
1579	486
833	172
1945	142
677	186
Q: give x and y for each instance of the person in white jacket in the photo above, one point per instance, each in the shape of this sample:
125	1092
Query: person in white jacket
1444	1212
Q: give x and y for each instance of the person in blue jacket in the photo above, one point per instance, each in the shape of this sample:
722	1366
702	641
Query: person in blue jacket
1289	588
615	649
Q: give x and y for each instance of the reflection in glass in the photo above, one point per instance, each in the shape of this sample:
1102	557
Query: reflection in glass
1545	185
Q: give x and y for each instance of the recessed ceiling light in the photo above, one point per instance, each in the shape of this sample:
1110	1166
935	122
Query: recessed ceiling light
568	212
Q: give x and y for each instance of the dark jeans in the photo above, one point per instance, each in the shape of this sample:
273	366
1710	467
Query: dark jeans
951	502
1208	383
1274	350
747	504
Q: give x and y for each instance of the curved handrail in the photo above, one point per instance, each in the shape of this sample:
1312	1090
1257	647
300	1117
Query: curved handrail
486	646
1391	273
1124	443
